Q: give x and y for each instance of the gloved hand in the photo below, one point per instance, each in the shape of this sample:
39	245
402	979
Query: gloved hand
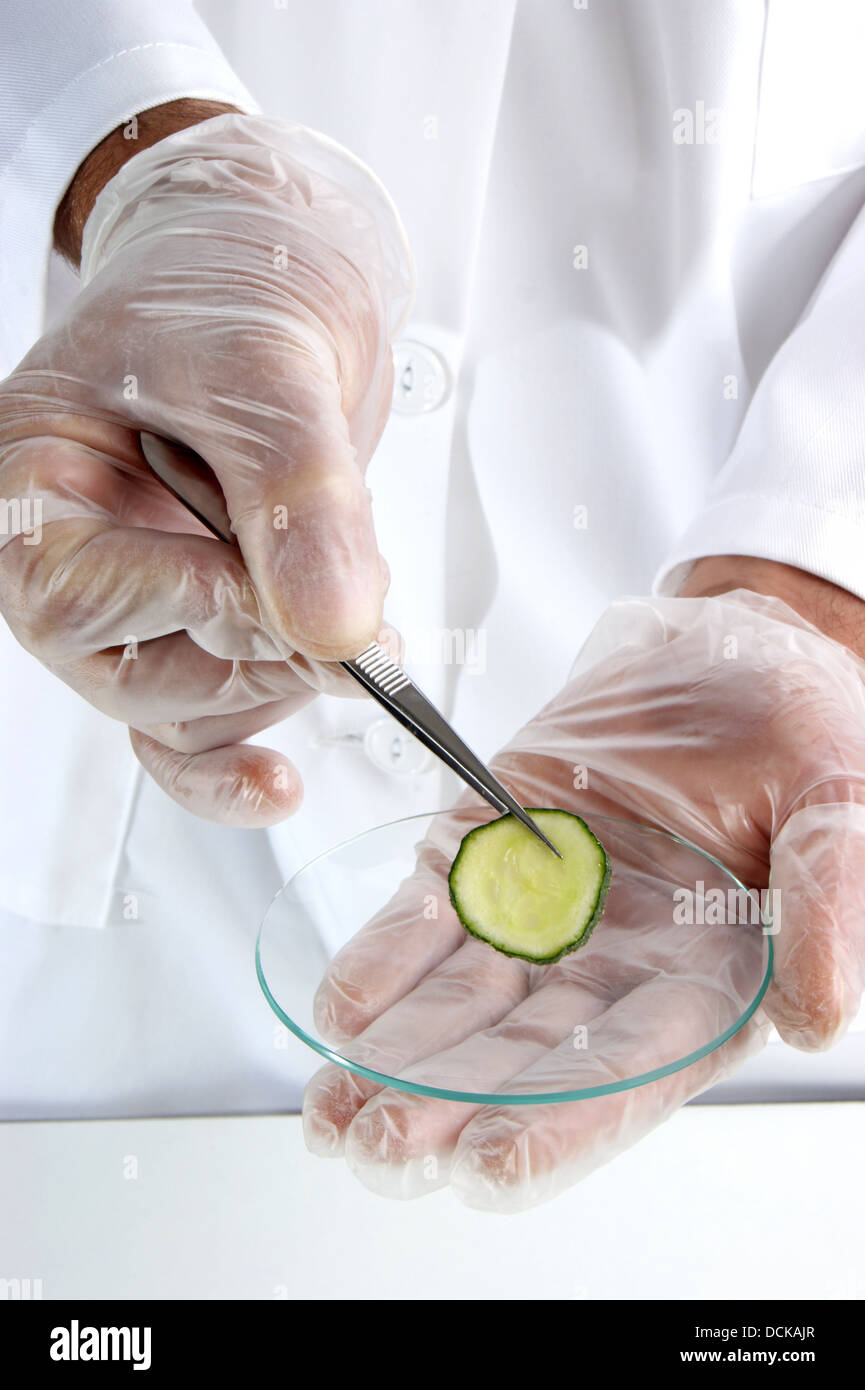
242	280
729	720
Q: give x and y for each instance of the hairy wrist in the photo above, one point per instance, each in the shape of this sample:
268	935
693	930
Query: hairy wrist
835	611
103	162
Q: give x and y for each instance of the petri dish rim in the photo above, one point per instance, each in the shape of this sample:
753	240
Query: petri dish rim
505	1100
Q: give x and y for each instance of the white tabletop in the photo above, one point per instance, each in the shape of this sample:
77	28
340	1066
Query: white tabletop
738	1201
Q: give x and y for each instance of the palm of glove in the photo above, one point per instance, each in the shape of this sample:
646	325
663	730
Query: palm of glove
729	721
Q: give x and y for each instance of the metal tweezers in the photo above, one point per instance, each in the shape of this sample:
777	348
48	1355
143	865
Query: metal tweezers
376	671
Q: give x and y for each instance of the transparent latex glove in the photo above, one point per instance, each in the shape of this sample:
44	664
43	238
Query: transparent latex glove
729	720
242	280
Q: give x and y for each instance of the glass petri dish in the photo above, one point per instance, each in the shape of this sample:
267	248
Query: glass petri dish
677	965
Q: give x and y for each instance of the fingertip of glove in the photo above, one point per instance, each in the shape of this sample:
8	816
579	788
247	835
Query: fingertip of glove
323	1133
245	787
332	1100
815	1028
259	787
340	1009
388	1152
326	1014
492	1174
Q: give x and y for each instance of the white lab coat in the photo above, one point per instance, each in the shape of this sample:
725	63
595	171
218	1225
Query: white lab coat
640	321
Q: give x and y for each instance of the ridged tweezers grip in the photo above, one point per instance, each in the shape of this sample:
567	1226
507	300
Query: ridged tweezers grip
378	667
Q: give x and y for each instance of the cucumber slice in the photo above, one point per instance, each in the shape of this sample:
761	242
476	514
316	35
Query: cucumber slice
510	890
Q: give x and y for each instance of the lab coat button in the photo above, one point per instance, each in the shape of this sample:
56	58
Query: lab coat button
421	380
394	749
